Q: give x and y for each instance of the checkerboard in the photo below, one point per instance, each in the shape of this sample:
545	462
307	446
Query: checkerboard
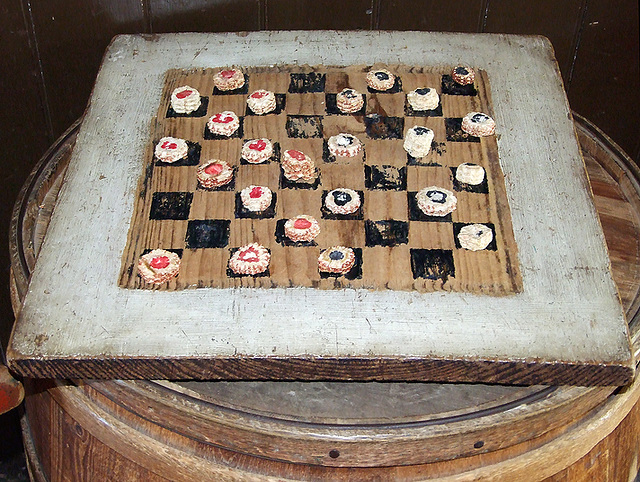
397	246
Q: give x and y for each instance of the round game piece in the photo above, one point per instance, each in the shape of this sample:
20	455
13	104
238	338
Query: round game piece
230	79
214	173
424	98
463	75
469	173
342	201
256	198
337	259
436	201
171	149
298	167
251	259
380	79
185	100
158	266
344	145
349	101
262	101
475	237
478	124
417	141
223	124
256	151
301	228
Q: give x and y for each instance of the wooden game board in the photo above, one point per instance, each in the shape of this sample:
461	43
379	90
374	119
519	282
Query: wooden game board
397	246
563	324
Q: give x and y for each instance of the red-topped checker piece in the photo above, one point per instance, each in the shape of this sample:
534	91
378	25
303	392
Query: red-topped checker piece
251	259
158	266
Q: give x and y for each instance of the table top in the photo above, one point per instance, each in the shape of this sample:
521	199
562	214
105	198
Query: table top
565	326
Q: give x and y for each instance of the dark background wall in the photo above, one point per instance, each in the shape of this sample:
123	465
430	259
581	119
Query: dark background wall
51	51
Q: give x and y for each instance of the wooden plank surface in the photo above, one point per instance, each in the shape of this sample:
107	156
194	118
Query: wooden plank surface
566	325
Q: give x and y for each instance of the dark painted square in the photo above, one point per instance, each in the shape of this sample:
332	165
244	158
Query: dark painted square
238	134
240	90
432	264
416	214
207	233
285	241
482	188
192	159
451	87
326	214
171	205
410	112
492	246
386	178
304	126
386	233
397	87
307	83
281	100
288	184
199	112
331	106
455	132
354	273
231	274
242	212
275	157
379	127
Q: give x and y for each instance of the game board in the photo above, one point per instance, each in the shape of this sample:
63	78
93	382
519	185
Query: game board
396	245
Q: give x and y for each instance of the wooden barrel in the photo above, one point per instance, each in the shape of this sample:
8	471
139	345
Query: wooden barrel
162	430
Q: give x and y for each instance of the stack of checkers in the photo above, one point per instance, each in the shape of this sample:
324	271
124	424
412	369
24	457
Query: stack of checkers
401	189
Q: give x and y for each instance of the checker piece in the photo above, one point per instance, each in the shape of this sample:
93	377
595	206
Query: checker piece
256	198
337	259
214	173
229	79
158	266
185	100
349	101
223	124
344	145
436	201
342	201
301	228
251	259
478	124
380	79
463	75
256	151
475	237
417	141
424	98
262	101
171	149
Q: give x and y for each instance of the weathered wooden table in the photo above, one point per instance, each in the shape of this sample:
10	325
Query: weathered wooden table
565	326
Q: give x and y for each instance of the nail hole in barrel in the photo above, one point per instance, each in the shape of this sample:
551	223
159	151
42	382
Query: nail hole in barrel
478	445
334	454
